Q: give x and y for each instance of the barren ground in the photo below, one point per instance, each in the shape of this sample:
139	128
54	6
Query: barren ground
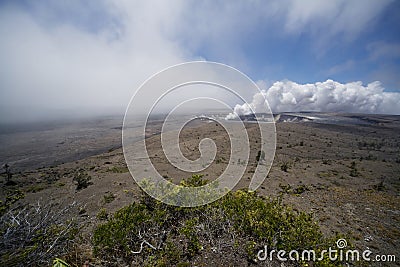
348	176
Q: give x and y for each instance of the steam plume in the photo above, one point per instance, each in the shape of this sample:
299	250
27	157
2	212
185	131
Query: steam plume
328	96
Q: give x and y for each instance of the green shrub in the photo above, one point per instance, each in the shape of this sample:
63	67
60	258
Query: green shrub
12	196
108	197
150	233
288	189
194	181
115	169
102	214
82	180
189	230
285	166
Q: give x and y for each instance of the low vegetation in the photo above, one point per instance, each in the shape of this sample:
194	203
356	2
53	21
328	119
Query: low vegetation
108	197
230	230
353	170
116	169
12	196
82	180
150	233
32	235
288	189
285	165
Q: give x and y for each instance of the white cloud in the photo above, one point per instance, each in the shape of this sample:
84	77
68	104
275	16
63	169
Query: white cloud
62	66
221	29
327	18
383	50
75	55
348	65
328	96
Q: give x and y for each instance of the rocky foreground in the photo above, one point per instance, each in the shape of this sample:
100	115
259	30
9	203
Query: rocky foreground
346	175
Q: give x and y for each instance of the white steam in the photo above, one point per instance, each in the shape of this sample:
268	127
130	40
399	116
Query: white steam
328	96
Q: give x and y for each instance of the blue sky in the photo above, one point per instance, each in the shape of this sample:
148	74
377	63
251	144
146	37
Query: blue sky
69	55
314	51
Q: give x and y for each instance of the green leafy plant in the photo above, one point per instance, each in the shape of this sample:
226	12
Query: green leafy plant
151	233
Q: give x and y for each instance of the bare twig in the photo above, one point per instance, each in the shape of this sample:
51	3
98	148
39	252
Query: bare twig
34	234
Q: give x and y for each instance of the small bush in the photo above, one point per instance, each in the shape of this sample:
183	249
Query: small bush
35	188
115	169
33	235
102	214
285	166
12	196
82	180
190	232
108	197
353	170
288	189
194	181
150	233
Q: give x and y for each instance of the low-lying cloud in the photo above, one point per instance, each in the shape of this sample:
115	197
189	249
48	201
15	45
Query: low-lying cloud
74	58
328	96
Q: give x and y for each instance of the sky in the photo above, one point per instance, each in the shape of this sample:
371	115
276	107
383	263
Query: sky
70	58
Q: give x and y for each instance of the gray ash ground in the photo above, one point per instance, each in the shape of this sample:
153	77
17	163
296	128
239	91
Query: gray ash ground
33	145
347	174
